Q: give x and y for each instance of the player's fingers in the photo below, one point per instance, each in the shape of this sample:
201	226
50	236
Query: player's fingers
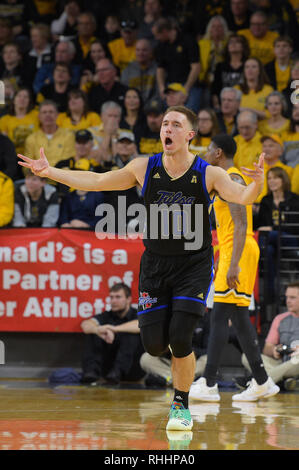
27	165
23	157
42	153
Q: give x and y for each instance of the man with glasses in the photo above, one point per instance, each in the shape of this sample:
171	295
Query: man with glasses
108	88
259	37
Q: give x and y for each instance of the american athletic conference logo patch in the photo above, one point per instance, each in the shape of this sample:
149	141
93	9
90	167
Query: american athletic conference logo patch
145	301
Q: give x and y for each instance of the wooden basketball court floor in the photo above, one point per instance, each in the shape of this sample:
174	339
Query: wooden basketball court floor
37	416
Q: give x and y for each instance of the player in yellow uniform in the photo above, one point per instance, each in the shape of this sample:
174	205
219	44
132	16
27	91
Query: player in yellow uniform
234	283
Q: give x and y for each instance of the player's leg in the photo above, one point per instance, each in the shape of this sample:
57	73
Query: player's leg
206	388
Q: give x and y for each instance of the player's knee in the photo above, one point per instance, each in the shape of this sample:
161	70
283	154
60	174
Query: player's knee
180	346
153	346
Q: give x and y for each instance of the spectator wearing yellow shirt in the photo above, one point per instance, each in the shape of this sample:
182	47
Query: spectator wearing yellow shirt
248	141
277	108
259	37
123	49
295	180
78	116
86	26
58	143
22	119
291	140
207	128
279	69
255	87
273	149
6	199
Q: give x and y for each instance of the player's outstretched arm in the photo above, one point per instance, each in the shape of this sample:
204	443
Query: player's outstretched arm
218	180
122	179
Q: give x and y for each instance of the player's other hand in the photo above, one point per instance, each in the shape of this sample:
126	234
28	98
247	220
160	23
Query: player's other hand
232	277
38	167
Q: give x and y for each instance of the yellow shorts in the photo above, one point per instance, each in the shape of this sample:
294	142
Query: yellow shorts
248	265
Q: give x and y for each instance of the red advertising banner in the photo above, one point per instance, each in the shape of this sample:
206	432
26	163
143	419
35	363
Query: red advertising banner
53	279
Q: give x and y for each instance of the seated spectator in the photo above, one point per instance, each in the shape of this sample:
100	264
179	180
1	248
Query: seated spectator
22	119
249	146
278	199
230	99
77	209
175	94
8	158
273	149
105	135
108	87
133	118
123	49
291	139
158	369
64	53
89	77
111	29
212	49
6	199
13	67
152	12
141	73
254	87
6	32
58	143
81	160
279	69
149	142
295	180
66	24
86	29
177	57
36	203
259	37
41	52
229	72
277	107
281	349
19	14
112	343
59	89
207	128
237	15
291	92
77	115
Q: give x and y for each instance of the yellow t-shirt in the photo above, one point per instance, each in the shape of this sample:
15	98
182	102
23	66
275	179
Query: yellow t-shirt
46	7
199	145
6	199
121	54
265	129
18	129
260	48
282	77
255	99
295	180
247	151
60	147
91	119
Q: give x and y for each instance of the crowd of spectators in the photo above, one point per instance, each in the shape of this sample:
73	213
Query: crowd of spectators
89	82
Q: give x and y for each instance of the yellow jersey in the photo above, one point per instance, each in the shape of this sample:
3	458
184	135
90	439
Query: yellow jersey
295	180
247	151
224	221
266	129
121	54
260	48
18	129
255	99
59	146
91	119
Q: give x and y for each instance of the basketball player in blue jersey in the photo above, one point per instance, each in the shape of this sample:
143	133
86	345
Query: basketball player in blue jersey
175	274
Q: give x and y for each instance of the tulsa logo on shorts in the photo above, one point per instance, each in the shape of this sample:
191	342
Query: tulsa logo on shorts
145	301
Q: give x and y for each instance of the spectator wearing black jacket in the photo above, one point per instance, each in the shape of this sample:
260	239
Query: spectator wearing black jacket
8	157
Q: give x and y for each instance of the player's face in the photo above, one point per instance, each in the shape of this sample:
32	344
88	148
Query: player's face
211	154
175	132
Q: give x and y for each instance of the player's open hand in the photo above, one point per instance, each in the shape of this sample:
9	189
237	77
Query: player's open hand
257	174
38	167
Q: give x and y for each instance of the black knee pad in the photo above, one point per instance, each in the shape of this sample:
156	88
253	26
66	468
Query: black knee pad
181	331
154	342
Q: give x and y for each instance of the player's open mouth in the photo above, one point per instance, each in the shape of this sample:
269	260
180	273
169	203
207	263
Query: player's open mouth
168	141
